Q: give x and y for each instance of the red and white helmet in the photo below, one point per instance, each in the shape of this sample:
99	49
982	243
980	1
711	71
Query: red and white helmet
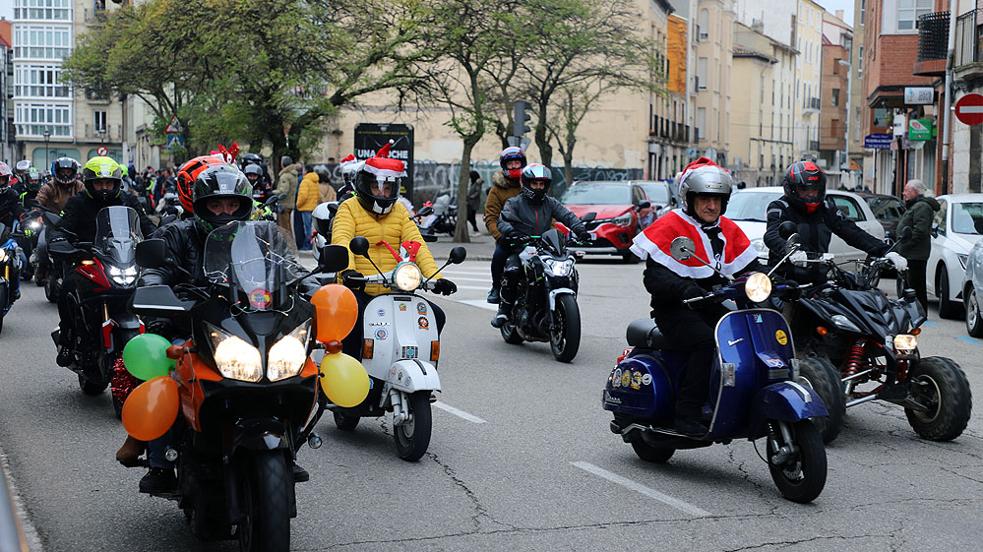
378	181
5	174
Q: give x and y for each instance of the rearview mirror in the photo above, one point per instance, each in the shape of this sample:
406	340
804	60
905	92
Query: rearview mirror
786	229
681	248
332	258
151	253
589	217
158	300
644	205
359	246
457	256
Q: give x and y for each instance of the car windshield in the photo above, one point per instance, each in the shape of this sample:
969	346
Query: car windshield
598	193
750	206
657	193
967	218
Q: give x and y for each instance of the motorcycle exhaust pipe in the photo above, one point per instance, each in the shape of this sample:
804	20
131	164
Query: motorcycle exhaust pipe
862	400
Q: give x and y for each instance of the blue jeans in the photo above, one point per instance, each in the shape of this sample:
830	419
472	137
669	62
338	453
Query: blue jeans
302	229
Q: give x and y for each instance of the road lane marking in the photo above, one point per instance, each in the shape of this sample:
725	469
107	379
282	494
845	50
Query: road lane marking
482	288
459	413
647	491
970	340
467	279
480	303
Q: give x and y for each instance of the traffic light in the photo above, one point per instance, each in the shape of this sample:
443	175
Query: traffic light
520	118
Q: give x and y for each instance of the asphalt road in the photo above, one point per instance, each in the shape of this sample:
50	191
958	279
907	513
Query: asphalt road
521	458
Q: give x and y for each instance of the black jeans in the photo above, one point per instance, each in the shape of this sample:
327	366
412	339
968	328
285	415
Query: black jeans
691	331
499	257
71	322
471	214
352	345
916	280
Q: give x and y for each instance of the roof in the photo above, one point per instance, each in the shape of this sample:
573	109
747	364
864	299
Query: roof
749	53
6	33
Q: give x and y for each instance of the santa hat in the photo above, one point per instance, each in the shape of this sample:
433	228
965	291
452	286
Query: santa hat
383	167
349	159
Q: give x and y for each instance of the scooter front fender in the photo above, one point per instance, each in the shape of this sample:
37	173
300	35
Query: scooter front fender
786	401
412	375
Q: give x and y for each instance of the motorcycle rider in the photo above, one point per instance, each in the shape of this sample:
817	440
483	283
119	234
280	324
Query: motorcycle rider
103	187
187	174
378	216
349	168
10	212
528	214
817	218
64	184
505	186
704	189
21	170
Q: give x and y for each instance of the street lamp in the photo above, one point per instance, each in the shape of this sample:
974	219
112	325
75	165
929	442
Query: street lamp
849	113
46	134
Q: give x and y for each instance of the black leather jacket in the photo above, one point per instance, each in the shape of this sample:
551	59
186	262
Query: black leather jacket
10	207
184	243
528	218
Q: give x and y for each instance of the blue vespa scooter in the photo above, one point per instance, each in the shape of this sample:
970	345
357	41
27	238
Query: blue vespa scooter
753	388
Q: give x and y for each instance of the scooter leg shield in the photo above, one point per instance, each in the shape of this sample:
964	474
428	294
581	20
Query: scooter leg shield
410	376
788	402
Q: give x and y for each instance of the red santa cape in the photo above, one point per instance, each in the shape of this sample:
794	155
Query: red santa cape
655	242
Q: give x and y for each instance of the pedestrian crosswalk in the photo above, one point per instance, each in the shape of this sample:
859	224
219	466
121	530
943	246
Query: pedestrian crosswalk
473	281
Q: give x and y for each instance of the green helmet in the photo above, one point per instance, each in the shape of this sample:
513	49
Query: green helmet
102	168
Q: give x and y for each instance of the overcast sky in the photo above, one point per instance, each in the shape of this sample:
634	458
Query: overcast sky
830	5
7	8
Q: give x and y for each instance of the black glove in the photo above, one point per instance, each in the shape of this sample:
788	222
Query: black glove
582	234
444	286
349	278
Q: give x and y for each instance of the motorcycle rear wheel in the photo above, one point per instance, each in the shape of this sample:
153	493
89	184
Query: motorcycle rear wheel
565	337
265	503
345	422
802	478
510	334
91	380
649	453
413	438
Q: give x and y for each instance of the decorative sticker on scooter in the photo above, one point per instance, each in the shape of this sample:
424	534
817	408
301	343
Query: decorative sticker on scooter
381	334
381	312
636	380
421	309
626	378
616	379
646	379
423	323
402	307
410	351
758	319
781	337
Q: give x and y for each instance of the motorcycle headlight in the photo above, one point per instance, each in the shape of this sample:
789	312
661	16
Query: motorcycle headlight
123	276
407	277
559	268
235	358
34	225
288	355
3	255
623	220
905	343
758	287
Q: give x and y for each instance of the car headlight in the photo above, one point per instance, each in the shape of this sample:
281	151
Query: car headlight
963	259
407	277
905	343
123	276
623	220
559	268
235	358
758	287
288	355
844	323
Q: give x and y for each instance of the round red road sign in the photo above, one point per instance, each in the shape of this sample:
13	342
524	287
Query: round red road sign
102	151
969	109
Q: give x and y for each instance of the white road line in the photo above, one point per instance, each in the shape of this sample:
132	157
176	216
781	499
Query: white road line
480	303
459	413
457	278
638	487
485	288
484	273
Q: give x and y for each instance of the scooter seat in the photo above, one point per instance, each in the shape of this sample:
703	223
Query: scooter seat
645	333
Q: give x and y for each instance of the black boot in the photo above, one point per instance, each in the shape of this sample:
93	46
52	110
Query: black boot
493	296
300	474
158	480
502	316
66	355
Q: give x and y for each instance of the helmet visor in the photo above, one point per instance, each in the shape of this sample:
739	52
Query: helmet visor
380	187
808	193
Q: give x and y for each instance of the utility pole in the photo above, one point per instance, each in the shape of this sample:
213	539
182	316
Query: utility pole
849	110
947	110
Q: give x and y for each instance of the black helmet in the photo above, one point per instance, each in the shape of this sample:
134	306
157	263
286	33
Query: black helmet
805	186
253	170
378	180
102	168
247	159
64	170
535	172
221	182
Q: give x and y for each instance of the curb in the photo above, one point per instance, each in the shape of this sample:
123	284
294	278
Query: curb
30	533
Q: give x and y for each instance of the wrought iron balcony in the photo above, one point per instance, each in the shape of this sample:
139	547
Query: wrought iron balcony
933	41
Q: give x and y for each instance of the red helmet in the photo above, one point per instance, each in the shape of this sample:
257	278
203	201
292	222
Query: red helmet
512	153
189	172
805	186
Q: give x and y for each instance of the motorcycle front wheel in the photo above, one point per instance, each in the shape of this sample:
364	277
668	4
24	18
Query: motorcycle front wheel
941	385
565	336
265	503
802	476
413	437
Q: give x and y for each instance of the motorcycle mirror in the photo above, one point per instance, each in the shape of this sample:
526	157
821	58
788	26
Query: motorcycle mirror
786	229
644	205
589	217
151	253
457	256
359	246
681	248
792	240
332	258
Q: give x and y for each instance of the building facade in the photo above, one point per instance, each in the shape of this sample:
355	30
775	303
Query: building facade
808	41
836	108
711	44
7	150
966	160
53	119
668	133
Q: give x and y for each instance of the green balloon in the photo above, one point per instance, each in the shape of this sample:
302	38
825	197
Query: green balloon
145	356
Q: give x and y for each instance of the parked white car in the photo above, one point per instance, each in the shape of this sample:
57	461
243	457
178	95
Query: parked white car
973	290
748	208
957	227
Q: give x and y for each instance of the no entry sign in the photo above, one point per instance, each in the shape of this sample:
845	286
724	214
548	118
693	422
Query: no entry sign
969	109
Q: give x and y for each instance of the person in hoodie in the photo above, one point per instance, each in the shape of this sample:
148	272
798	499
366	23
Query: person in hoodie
505	186
287	184
918	216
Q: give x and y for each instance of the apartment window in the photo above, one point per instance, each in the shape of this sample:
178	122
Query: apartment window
701	74
99	121
42	42
863	10
701	122
33	118
59	10
703	26
836	97
910	10
39	81
860	59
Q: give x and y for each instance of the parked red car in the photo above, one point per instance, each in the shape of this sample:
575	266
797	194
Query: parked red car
617	205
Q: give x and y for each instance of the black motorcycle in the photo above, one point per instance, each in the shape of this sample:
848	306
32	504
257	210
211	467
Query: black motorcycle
857	335
104	322
545	306
248	389
52	265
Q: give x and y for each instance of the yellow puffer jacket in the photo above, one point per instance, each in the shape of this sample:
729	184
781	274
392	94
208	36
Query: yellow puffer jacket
395	228
308	193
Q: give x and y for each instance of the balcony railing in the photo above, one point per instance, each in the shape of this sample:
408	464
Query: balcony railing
933	36
662	127
969	38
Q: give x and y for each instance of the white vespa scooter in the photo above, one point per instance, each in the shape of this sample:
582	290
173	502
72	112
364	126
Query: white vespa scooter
400	351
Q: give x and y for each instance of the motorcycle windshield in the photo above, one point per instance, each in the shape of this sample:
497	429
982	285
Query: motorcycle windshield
117	234
254	258
555	241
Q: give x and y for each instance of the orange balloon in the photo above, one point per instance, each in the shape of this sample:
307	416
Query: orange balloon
151	408
337	311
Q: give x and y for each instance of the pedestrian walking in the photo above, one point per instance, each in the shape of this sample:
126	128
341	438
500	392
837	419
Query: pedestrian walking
919	216
307	199
288	184
474	198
